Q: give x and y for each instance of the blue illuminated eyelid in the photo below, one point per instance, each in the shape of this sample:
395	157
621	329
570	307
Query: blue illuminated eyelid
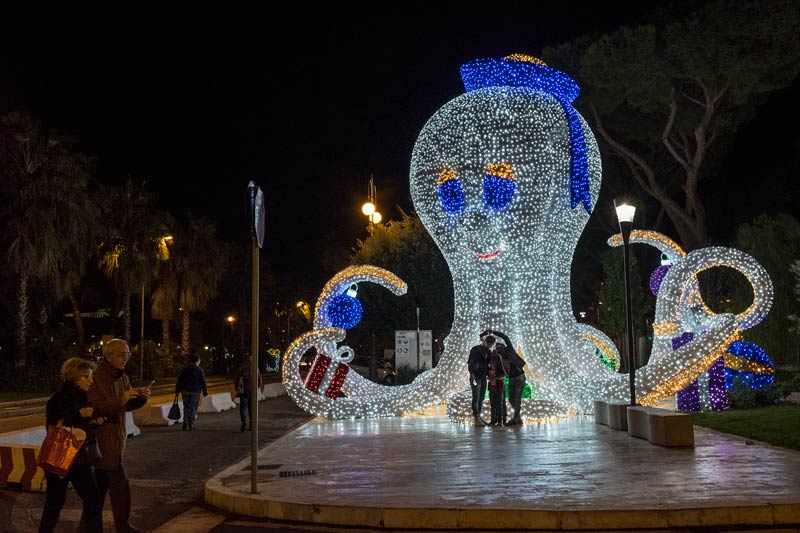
498	192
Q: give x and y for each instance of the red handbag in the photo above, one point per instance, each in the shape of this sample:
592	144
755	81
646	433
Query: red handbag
59	449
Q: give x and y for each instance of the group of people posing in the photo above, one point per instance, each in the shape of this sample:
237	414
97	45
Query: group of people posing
489	364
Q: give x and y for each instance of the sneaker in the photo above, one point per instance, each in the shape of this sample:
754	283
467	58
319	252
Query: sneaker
479	421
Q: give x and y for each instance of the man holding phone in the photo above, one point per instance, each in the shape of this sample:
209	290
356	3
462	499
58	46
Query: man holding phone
111	395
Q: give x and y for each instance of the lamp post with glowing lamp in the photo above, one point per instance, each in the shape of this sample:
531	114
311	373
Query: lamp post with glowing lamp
230	319
370	208
625	214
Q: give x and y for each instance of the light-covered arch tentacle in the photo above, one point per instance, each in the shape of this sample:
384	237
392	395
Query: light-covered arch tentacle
394	403
362	398
657	240
674	253
674	286
353	275
355	384
747	266
290	370
601	342
670	371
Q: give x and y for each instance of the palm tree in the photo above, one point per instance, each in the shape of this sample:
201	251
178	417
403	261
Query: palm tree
48	214
164	305
198	261
134	244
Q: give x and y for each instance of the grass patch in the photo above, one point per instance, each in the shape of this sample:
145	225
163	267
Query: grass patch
7	396
775	424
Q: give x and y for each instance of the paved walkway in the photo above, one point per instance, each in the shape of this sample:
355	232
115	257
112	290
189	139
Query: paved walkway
426	472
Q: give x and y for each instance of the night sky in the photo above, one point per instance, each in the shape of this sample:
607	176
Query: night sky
307	103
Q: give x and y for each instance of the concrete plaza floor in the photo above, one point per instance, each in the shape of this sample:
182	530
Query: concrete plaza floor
427	473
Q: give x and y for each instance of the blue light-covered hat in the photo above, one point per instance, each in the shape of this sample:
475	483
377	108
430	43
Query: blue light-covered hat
519	70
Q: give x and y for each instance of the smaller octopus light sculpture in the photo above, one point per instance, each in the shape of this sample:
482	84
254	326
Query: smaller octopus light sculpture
504	178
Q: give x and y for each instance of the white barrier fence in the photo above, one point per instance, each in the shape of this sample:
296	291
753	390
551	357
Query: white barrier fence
216	403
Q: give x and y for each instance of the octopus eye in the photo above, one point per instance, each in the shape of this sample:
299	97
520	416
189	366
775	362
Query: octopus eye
498	186
450	192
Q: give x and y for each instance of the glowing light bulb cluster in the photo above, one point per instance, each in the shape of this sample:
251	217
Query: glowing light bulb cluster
497	175
344	311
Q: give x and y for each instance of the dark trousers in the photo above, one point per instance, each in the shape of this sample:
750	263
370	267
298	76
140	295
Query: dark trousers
245	413
497	399
86	486
190	401
515	387
478	395
115	484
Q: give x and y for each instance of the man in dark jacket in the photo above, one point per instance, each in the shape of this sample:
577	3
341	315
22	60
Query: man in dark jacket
191	382
476	363
110	396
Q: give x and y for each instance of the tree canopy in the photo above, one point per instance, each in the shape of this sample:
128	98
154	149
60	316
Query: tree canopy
666	96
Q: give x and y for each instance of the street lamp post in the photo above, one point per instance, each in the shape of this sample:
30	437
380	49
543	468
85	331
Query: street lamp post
221	360
625	214
370	208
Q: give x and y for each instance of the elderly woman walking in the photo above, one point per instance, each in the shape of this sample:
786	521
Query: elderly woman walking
68	405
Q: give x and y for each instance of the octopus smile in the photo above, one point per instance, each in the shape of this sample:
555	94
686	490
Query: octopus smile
489	256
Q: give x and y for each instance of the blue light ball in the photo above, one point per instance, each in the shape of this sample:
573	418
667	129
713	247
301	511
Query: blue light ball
344	311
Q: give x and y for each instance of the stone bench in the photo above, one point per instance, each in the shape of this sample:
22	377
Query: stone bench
216	403
611	414
660	426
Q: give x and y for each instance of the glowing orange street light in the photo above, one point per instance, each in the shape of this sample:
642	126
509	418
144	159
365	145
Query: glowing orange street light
370	208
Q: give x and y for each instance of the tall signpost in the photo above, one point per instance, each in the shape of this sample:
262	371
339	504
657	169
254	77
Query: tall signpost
256	205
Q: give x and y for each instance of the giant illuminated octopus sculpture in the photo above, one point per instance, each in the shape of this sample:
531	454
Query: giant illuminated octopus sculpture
504	178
